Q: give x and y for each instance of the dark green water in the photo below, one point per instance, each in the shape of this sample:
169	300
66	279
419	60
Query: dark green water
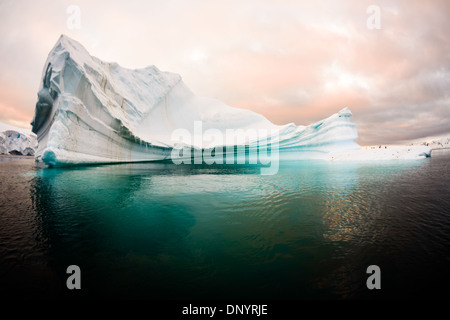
157	230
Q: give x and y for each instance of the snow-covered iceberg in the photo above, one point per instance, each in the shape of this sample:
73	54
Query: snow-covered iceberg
17	141
91	111
383	153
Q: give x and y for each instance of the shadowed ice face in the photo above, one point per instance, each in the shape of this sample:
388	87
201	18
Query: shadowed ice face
45	101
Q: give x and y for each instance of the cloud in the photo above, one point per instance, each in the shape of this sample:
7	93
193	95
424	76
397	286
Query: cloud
292	61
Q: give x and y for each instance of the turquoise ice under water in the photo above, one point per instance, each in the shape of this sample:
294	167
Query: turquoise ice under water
158	230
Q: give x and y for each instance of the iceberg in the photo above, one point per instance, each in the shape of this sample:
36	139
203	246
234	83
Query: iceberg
90	111
17	141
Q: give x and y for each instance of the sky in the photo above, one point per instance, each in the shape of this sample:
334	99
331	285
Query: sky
290	60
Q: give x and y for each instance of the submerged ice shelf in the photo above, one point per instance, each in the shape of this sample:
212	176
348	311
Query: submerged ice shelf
91	111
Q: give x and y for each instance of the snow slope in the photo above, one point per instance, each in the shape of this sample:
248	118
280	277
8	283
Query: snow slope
434	142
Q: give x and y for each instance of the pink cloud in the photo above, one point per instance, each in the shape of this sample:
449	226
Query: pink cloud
292	61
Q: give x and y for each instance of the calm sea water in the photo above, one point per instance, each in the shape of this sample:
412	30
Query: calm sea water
157	230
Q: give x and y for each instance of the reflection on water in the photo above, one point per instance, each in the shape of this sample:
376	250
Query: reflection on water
157	230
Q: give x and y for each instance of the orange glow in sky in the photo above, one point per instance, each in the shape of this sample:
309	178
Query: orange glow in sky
290	60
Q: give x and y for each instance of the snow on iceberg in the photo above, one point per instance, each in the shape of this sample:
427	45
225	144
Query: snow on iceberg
17	141
91	111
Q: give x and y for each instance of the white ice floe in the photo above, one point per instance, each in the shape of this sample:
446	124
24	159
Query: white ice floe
383	153
91	111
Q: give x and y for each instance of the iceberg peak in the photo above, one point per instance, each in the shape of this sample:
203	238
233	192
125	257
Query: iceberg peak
345	112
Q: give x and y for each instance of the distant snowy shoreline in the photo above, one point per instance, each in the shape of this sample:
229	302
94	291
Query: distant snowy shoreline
411	149
434	142
383	153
